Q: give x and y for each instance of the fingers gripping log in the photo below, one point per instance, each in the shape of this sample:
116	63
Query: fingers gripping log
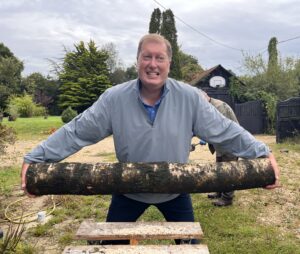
109	178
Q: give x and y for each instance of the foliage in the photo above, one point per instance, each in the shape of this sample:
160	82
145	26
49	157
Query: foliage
118	76
10	74
244	93
25	106
183	66
5	51
238	90
273	56
283	82
11	239
83	77
121	75
12	111
117	73
7	136
271	82
189	66
269	101
10	78
44	91
155	22
29	83
113	62
168	30
68	114
4	94
131	72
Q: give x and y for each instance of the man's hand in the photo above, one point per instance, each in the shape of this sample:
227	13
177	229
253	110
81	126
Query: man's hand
273	162
25	166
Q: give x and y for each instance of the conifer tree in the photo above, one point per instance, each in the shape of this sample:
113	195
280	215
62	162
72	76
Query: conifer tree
84	76
168	30
273	55
154	26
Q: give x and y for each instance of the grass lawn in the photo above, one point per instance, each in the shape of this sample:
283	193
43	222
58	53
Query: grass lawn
34	127
260	221
235	229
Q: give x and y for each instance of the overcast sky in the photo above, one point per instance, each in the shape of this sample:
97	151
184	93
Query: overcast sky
37	30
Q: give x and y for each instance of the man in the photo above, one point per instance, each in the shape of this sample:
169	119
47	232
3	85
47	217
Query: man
151	119
223	198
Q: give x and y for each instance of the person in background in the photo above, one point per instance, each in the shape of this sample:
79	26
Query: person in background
152	119
222	198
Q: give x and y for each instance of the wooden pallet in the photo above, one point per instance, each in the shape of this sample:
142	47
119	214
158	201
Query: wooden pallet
135	232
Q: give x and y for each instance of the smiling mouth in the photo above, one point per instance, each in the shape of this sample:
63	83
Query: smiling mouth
152	73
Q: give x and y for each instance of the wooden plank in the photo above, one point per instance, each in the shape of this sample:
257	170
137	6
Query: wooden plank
138	249
161	177
90	230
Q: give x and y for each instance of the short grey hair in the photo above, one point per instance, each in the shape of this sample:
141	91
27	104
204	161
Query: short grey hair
155	38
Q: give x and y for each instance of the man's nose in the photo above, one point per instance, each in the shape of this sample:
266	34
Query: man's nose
153	61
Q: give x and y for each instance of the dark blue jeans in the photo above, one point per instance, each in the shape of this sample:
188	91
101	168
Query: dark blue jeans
123	209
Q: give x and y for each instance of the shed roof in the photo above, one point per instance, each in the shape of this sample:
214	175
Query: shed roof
206	73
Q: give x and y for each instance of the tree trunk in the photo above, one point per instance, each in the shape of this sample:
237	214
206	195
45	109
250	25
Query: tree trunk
109	178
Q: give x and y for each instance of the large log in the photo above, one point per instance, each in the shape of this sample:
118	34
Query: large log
109	178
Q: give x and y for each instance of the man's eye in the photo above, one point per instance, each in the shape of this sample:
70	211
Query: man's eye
147	58
161	59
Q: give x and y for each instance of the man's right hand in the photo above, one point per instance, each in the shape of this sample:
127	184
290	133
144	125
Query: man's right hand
275	167
25	166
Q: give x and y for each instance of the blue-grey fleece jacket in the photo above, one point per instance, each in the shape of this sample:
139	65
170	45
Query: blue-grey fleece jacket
183	112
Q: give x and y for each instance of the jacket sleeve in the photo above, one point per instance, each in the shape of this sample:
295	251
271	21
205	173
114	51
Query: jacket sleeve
88	128
224	134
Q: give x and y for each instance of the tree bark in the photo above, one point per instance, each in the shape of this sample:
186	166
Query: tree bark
109	178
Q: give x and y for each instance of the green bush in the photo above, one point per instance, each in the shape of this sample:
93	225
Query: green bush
270	101
24	107
40	111
68	114
12	111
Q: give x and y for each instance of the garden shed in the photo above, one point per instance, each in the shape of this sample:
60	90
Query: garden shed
216	83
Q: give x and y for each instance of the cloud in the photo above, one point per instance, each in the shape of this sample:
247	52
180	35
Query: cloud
37	30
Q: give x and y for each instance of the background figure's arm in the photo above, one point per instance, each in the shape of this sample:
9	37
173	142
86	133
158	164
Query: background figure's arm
224	134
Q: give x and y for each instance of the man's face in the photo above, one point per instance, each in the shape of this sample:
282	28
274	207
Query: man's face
153	64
